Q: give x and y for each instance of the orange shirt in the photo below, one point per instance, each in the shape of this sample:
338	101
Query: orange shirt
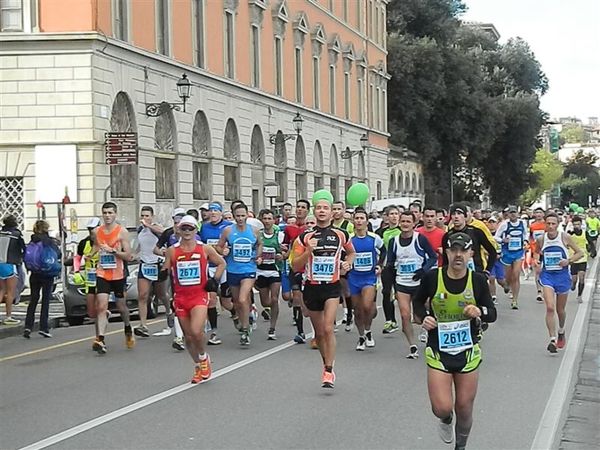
537	230
110	267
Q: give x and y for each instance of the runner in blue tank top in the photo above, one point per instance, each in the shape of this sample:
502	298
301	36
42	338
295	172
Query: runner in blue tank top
240	244
362	278
552	262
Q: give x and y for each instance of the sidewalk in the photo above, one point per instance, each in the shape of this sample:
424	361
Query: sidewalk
57	312
581	430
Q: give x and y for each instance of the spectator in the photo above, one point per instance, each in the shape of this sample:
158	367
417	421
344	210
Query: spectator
12	249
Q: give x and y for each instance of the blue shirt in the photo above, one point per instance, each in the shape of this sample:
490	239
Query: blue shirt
242	250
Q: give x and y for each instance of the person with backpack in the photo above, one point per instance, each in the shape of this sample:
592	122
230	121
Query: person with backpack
12	247
43	260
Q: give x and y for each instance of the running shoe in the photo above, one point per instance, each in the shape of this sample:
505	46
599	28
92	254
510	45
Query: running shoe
494	299
514	305
236	322
170	320
245	339
361	345
141	331
178	344
214	339
552	346
348	326
386	327
539	297
573	286
423	335
414	352
328	379
300	338
129	340
561	341
100	347
11	321
164	332
506	289
370	342
335	326
579	299
197	378
266	314
511	295
446	431
484	326
46	334
205	368
394	327
271	336
314	344
27	333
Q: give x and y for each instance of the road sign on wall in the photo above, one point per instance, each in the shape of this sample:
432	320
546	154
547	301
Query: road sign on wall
121	148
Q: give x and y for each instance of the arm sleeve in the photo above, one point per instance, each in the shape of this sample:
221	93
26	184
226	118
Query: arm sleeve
81	247
431	259
489	248
391	253
162	240
500	232
444	245
484	298
428	285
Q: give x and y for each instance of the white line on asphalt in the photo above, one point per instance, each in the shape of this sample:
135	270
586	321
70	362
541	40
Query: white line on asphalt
69	433
547	431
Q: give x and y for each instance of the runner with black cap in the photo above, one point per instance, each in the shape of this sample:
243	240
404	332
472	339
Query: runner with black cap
459	299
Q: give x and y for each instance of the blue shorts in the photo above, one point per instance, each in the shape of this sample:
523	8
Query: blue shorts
498	271
560	281
235	279
7	271
508	258
356	283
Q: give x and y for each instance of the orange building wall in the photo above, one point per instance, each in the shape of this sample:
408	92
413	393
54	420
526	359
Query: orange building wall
214	36
242	43
142	23
182	48
53	15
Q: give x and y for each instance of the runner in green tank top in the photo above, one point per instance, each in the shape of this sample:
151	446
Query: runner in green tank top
460	300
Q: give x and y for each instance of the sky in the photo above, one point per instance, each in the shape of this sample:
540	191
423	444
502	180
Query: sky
565	37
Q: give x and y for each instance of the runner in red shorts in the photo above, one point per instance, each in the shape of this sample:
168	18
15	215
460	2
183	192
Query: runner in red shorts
188	262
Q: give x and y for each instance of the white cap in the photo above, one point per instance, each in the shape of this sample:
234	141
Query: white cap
204	206
93	223
178	212
188	220
255	223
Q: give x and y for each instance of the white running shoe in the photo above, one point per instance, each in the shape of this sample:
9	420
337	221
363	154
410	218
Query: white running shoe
446	431
164	332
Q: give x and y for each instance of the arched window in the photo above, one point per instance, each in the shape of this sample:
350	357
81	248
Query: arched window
231	153
281	166
414	183
318	166
400	182
300	160
257	146
201	165
257	158
421	184
123	178
392	183
334	172
407	182
165	141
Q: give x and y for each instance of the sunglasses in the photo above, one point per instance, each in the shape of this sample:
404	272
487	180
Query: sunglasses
187	229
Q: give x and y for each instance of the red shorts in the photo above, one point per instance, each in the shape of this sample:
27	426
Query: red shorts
184	304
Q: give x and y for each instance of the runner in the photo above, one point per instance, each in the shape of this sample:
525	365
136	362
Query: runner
240	244
115	252
579	267
513	235
460	299
188	261
552	249
210	233
362	279
537	228
150	277
319	252
341	222
268	274
412	257
592	229
497	272
388	274
432	233
87	256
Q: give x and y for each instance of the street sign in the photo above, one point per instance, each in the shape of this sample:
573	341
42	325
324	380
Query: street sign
121	148
272	190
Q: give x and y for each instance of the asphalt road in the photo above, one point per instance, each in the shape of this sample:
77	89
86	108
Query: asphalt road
267	396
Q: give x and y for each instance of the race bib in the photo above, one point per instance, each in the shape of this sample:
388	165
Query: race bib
323	268
150	271
212	241
242	253
188	273
268	255
552	260
514	243
406	269
108	260
363	262
454	337
90	277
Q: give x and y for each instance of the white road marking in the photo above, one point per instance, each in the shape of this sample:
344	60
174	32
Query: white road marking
548	429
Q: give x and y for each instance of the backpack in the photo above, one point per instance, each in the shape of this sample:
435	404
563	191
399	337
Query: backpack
33	256
50	261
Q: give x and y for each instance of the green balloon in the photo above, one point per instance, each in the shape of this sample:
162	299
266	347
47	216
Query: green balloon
358	194
322	194
573	206
580	210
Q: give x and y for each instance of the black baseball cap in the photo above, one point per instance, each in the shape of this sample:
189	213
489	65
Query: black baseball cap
458	208
461	240
512	209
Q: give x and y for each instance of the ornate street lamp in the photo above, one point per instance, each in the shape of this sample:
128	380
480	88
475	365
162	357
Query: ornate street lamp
297	122
184	91
364	144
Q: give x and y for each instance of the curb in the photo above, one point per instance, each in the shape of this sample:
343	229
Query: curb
17	330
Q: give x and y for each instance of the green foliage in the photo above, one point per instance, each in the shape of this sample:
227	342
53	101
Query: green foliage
546	171
572	134
582	178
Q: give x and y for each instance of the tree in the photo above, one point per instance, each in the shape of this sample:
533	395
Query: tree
546	171
572	134
582	178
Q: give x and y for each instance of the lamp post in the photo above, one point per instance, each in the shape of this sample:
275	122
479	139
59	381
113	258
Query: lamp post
297	123
364	144
184	91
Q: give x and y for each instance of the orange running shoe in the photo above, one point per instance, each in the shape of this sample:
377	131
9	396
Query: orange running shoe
328	379
197	378
129	340
205	368
561	341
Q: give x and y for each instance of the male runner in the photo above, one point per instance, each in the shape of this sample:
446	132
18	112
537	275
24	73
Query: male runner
579	267
552	250
513	235
188	261
115	252
537	228
460	299
268	274
415	208
412	257
497	271
592	229
432	233
340	221
240	244
388	274
319	252
362	278
149	274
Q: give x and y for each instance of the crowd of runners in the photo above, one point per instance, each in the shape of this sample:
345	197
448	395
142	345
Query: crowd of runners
443	267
